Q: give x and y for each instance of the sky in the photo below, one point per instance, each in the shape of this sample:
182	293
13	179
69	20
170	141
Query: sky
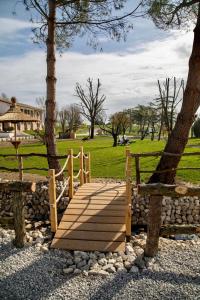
127	70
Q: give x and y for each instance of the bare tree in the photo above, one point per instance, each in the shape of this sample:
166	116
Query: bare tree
62	119
116	125
57	23
73	118
91	102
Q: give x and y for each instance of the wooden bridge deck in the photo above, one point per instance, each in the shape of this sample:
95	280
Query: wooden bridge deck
94	219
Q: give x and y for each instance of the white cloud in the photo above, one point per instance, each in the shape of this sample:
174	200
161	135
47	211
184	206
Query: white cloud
128	78
9	27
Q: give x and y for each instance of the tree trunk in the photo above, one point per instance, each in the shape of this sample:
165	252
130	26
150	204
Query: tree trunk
115	140
51	89
191	101
92	130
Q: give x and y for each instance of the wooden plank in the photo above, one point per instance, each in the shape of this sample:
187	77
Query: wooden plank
91	226
98	206
94	212
90	235
96	193
99	197
88	245
102	189
95	219
99	201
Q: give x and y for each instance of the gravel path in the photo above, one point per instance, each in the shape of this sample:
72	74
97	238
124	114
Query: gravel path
30	274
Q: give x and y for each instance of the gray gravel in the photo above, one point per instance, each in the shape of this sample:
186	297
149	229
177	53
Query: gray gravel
30	274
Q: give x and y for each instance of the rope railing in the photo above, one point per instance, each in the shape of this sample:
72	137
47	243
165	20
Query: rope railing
84	174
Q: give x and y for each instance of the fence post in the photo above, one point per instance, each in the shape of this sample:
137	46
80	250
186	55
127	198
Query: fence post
137	168
81	167
88	176
154	224
52	200
20	160
71	174
19	221
128	193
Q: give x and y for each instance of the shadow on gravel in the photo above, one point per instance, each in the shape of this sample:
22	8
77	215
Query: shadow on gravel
35	281
116	285
4	253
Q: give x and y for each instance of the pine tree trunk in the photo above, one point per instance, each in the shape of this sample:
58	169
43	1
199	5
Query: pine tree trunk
51	89
191	101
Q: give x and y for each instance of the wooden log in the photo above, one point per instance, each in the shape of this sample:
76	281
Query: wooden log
52	200
167	190
81	167
179	229
17	186
19	221
154	224
70	174
137	167
128	194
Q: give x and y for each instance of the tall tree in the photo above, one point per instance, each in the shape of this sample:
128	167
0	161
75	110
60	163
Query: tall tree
58	22
170	14
91	102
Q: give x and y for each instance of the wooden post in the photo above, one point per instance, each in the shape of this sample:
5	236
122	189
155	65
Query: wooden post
154	224
19	222
71	174
128	193
88	164
52	200
20	159
137	168
81	167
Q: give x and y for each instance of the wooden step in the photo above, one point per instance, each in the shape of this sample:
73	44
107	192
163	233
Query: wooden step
90	226
90	235
95	219
97	206
97	202
88	245
95	212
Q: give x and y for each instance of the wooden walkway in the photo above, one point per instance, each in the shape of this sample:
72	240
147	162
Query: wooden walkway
94	219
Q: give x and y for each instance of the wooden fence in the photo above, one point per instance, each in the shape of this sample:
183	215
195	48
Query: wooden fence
84	175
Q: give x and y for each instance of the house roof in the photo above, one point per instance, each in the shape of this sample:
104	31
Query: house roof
21	104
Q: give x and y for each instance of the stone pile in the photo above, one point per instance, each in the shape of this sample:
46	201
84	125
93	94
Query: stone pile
184	210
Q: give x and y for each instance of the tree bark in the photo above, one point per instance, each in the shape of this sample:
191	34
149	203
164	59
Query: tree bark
115	140
51	89
92	129
191	101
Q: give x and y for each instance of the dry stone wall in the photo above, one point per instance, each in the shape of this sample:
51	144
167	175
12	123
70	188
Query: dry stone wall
36	203
183	210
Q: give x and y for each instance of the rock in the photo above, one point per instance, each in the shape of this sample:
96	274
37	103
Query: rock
102	261
129	249
44	248
68	270
98	272
28	226
119	265
39	240
109	268
69	262
77	271
134	269
92	255
127	265
77	260
92	262
81	264
139	262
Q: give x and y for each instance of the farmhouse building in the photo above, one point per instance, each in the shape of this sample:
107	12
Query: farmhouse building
25	108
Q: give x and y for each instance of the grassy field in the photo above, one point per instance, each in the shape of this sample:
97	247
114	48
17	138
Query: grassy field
107	161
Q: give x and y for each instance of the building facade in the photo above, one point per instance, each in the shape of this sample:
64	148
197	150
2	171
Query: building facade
25	108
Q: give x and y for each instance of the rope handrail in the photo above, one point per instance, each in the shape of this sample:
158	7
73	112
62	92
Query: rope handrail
63	168
77	174
77	156
86	172
64	188
85	156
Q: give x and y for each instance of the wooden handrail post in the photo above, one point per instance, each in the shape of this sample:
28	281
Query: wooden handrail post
20	160
128	193
137	168
81	167
88	168
71	173
52	200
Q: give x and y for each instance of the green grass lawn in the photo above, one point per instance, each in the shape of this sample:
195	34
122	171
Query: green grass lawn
107	161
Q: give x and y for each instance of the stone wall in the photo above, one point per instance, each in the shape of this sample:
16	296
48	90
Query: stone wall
36	204
184	210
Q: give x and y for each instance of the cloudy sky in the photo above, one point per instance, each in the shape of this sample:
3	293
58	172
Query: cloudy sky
128	70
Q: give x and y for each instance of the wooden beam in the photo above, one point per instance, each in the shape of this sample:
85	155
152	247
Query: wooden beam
167	190
17	186
179	229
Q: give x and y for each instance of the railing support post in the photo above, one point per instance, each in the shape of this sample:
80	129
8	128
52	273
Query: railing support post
20	160
128	193
81	167
88	168
71	174
52	200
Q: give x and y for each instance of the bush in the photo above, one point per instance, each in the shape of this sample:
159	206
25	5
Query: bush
196	128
